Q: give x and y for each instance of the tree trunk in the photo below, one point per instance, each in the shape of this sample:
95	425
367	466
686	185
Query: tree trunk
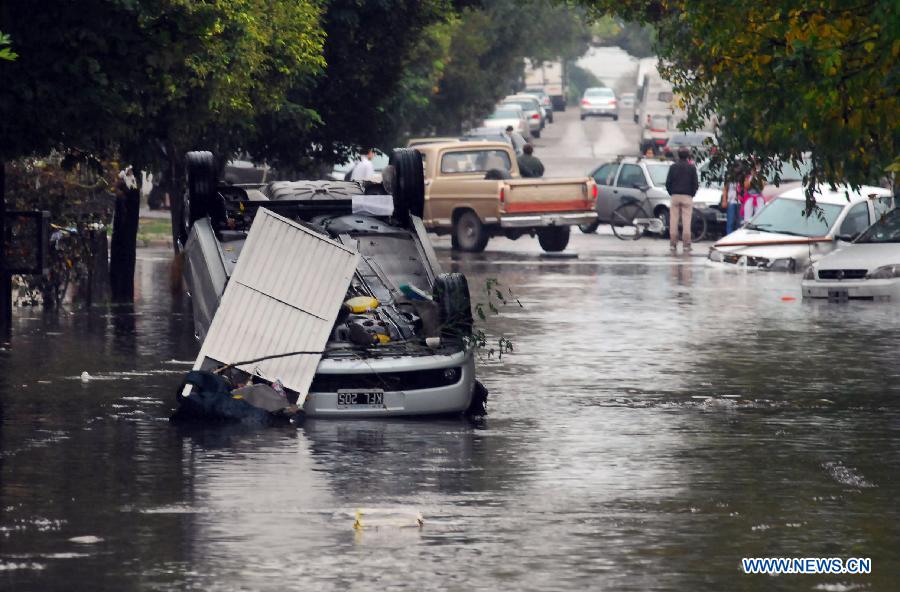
5	278
123	247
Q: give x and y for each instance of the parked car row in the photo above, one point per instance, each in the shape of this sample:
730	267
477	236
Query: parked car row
528	113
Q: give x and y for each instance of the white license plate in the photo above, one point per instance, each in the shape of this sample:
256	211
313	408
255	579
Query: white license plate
721	217
373	398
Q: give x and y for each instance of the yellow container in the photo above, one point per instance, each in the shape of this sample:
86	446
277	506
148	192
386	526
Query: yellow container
360	304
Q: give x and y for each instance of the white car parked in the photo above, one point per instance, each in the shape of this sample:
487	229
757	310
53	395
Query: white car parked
868	269
782	238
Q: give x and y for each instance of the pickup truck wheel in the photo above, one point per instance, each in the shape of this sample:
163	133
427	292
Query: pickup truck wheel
201	186
409	189
663	215
536	134
589	228
451	294
469	233
554	239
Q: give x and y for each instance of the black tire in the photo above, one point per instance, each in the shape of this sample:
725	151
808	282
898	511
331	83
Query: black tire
622	221
469	233
409	184
663	214
582	117
451	294
201	186
589	228
698	226
550	117
615	118
554	239
536	134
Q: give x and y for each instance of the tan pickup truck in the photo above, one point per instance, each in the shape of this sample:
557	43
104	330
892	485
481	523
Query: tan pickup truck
473	191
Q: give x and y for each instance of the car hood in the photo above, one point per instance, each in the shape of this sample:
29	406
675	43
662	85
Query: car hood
795	247
868	256
708	196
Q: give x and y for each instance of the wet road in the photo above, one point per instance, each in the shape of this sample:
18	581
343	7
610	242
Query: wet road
659	420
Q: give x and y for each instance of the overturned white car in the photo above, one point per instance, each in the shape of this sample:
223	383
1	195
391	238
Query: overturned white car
328	290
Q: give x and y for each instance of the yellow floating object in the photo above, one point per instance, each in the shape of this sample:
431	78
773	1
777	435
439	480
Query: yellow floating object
360	304
382	338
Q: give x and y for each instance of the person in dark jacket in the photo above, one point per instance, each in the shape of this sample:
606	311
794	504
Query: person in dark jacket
529	165
681	183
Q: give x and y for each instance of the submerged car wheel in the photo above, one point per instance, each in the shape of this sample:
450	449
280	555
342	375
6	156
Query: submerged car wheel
409	184
201	188
554	239
469	233
451	294
590	227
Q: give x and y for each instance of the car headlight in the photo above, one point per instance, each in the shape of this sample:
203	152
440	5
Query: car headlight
885	272
715	255
810	273
783	264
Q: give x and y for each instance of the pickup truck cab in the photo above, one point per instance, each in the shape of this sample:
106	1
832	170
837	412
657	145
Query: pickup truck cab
473	191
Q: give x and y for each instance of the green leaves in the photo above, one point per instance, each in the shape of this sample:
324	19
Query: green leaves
5	52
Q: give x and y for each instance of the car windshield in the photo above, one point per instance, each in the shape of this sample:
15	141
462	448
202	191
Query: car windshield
786	216
504	114
599	92
658	173
525	105
659	122
790	173
688	140
886	230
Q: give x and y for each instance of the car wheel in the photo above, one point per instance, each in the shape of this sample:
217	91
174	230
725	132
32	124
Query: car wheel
554	239
451	294
409	184
663	215
582	117
589	228
536	134
615	118
469	233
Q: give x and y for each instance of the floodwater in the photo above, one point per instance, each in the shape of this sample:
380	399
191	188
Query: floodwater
659	420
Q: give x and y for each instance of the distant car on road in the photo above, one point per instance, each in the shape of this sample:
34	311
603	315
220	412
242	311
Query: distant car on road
699	143
627	104
656	132
599	100
507	115
867	269
781	238
546	103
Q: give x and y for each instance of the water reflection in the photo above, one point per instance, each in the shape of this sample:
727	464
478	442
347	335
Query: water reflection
659	420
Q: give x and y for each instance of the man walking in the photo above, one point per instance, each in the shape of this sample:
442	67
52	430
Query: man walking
363	170
529	164
682	184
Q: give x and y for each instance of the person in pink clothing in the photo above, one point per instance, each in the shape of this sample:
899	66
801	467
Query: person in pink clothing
752	199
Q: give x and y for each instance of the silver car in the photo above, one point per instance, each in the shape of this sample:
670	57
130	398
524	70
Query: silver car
531	106
599	101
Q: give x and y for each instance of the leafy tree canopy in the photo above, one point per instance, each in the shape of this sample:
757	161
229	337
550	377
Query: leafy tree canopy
786	77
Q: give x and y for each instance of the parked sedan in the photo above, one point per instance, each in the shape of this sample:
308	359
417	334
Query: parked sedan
544	98
507	115
782	238
599	101
533	111
868	269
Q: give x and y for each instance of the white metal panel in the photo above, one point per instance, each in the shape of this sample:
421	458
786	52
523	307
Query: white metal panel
283	296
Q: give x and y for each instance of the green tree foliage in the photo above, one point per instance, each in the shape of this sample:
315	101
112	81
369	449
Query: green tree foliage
786	77
6	53
105	75
638	40
474	58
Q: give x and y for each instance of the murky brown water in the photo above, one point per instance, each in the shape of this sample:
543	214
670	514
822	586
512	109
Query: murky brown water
660	420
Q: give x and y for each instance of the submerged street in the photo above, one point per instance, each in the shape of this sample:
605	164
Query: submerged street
658	420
